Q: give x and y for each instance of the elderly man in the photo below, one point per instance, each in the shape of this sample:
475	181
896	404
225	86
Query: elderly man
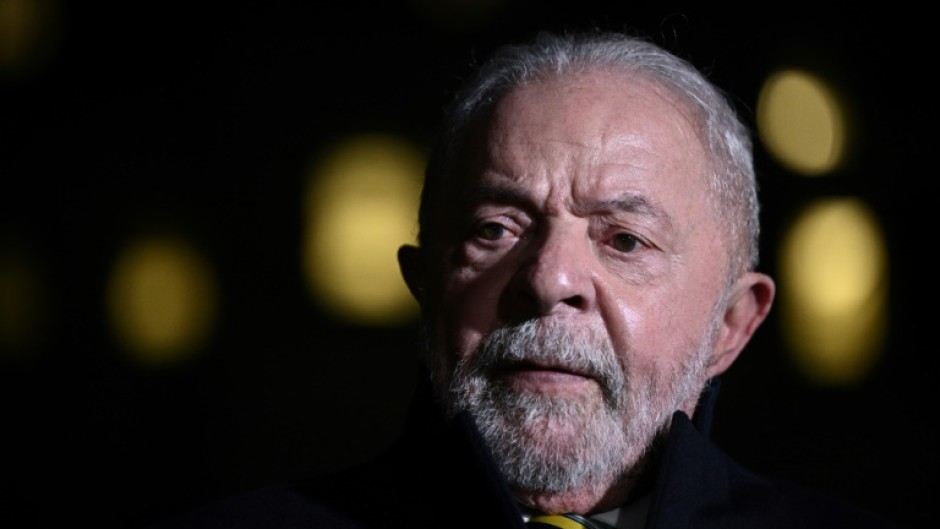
587	269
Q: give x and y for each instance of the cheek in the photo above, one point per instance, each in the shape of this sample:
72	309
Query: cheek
469	302
653	327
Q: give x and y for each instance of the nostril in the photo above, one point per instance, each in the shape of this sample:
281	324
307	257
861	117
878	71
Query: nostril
529	301
576	301
529	304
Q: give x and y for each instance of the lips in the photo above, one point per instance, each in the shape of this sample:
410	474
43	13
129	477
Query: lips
526	366
541	377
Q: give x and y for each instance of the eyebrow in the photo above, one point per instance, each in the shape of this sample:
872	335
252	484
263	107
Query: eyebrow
633	203
628	202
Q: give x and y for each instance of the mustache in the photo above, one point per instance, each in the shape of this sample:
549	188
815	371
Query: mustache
580	349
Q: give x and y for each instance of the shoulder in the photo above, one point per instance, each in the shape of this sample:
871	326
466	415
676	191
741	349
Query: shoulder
761	501
276	506
812	508
699	485
352	498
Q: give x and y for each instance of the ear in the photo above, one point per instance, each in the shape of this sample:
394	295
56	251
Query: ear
411	264
748	306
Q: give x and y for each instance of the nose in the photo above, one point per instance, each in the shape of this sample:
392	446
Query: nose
555	274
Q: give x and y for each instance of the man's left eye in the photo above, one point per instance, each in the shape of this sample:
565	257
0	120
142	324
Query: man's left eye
624	242
491	231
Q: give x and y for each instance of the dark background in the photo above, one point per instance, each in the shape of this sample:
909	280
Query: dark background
205	118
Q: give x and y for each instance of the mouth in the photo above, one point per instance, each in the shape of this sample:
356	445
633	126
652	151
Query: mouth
543	378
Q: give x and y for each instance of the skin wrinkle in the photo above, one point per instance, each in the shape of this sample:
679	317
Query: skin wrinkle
559	194
639	208
571	353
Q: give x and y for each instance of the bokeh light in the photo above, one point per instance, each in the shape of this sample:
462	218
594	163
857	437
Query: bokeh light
360	206
28	34
802	122
834	286
162	300
23	300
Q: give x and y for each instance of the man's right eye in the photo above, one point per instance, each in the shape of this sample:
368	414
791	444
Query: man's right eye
491	231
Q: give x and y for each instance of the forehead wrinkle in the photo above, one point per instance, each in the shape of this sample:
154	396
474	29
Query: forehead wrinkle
632	203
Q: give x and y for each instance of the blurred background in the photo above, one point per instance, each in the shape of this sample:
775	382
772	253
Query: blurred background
200	205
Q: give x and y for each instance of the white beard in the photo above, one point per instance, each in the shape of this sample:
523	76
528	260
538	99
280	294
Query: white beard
554	443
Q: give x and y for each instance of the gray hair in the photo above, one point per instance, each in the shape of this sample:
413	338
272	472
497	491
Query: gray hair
727	142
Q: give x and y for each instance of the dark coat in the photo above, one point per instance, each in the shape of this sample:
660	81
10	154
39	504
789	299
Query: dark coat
440	475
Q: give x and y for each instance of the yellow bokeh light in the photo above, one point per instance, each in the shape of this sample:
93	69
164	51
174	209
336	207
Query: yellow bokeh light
360	206
802	122
162	300
22	300
28	31
833	293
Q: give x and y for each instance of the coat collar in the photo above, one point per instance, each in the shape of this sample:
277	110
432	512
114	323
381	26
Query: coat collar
685	459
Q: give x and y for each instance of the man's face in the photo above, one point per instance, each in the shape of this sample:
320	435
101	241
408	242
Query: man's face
577	301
